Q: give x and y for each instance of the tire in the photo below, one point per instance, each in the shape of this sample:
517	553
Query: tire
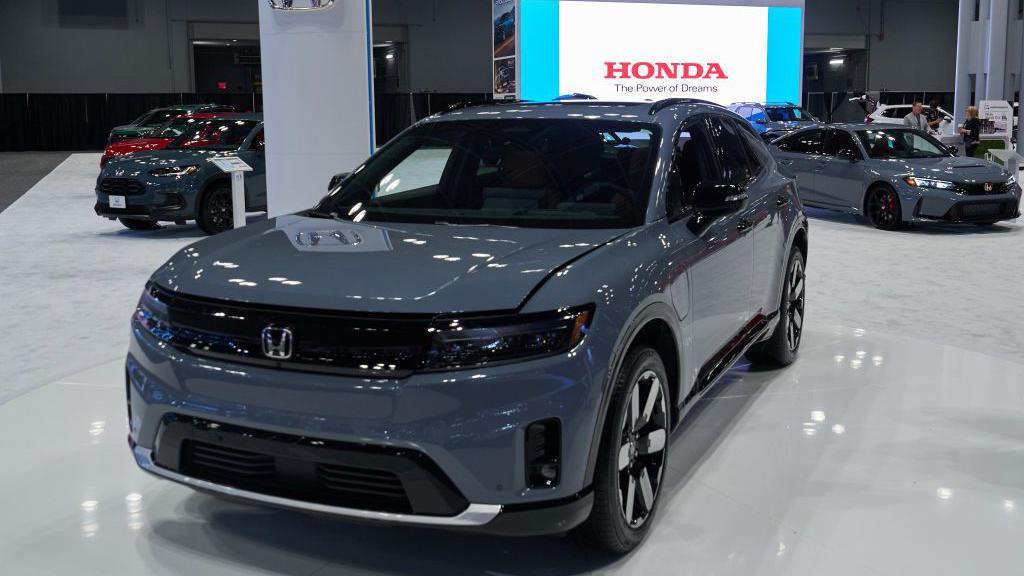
882	207
133	224
782	347
633	454
215	210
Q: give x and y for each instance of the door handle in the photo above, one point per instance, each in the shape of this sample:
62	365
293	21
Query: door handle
782	200
744	225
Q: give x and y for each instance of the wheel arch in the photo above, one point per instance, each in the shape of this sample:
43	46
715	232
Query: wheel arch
655	326
218	179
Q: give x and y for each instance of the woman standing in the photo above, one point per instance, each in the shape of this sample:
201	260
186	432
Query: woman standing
971	130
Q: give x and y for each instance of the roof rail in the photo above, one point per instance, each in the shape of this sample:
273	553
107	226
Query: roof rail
473	103
662	104
575	96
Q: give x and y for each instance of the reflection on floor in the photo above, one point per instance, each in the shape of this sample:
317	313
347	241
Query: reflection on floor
881	451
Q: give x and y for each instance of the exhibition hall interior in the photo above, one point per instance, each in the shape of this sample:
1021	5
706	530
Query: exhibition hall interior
523	287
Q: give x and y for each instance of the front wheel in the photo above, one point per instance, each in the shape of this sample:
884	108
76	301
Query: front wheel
633	454
215	210
883	208
781	348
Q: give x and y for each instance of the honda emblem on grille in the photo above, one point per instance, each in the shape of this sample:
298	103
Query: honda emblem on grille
277	342
988	186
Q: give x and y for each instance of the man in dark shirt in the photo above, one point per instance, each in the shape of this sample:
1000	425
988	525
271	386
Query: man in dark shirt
934	115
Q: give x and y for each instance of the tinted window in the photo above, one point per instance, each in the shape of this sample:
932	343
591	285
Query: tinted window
807	142
900	143
789	114
729	151
757	155
531	173
840	143
693	164
895	112
216	134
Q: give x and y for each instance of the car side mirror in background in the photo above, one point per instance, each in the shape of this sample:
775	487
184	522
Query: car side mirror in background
712	199
336	180
761	121
955	151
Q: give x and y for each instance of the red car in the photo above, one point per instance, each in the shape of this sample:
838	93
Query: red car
160	138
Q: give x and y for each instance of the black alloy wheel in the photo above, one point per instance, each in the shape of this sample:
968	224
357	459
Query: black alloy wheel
633	453
642	440
215	213
796	293
883	208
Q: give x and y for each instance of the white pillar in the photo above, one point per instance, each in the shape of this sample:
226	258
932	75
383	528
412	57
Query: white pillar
998	21
317	98
962	82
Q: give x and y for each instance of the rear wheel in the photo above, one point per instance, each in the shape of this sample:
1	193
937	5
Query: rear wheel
215	210
883	208
133	224
633	453
782	347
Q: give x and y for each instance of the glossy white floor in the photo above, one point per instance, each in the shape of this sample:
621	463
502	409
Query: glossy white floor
895	445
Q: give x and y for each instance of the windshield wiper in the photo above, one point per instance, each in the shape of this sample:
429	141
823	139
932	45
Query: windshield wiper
325	215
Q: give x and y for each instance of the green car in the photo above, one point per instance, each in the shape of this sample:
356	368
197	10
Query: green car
157	117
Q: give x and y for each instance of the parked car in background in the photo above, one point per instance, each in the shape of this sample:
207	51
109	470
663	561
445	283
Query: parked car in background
179	183
774	119
493	324
158	116
158	138
894	114
894	176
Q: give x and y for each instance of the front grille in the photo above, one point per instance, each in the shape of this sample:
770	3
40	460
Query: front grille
982	211
978	189
296	467
122	187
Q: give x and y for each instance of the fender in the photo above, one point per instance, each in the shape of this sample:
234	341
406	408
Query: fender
656	310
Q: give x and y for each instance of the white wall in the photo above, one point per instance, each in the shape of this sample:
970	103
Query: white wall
151	54
912	42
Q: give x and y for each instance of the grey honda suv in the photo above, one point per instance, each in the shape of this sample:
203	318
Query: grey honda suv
494	324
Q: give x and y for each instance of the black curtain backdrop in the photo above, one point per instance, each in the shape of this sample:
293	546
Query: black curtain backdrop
68	122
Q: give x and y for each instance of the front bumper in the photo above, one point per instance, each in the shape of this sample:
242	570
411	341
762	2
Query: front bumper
933	206
469	424
166	203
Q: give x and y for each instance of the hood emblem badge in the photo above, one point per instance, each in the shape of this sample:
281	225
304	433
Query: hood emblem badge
277	342
989	186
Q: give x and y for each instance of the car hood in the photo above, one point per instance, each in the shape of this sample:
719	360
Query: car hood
138	144
956	169
137	165
392	268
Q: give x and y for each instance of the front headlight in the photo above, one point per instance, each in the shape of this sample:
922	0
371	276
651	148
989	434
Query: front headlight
470	342
152	315
932	183
174	171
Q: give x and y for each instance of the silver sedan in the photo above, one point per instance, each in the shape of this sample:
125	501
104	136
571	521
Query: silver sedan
895	176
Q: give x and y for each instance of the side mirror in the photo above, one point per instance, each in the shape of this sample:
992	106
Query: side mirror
711	198
337	179
955	151
761	121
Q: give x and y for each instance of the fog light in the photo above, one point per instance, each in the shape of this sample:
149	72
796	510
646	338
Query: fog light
543	453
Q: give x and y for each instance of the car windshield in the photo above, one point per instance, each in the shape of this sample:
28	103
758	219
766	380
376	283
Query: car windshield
566	173
900	143
215	134
175	127
157	117
789	114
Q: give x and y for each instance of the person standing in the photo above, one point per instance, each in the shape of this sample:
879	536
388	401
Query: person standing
934	115
916	118
971	131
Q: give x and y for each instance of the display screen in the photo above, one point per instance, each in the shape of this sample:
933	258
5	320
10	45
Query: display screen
653	50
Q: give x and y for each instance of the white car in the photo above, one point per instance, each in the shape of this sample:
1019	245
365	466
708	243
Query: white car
894	114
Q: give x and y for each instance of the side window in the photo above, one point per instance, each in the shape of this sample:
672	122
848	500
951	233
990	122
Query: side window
692	165
729	151
420	170
840	143
808	142
893	113
757	155
745	111
757	115
258	142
